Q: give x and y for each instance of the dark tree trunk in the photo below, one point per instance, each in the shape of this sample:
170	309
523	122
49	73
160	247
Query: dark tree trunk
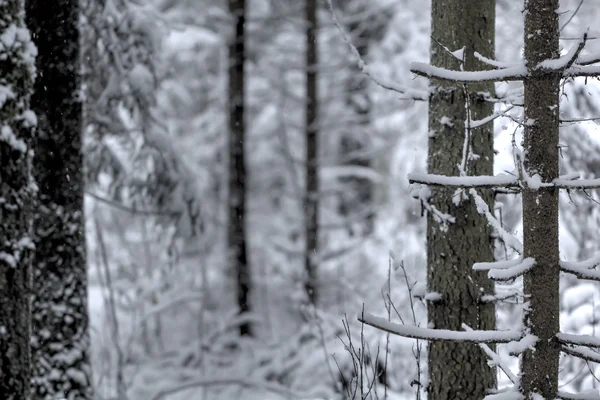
540	207
237	243
60	345
311	199
459	370
17	192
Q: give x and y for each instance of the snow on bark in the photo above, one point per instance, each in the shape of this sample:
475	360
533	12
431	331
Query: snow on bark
17	193
60	343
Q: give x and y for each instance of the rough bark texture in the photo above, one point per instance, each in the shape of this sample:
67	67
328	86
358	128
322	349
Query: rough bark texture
60	343
311	199
540	207
237	244
17	192
459	370
357	198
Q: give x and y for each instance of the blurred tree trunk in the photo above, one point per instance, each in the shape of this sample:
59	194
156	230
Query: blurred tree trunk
237	236
459	370
540	206
354	143
60	345
311	198
17	192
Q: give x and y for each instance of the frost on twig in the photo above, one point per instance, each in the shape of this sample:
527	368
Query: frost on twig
501	180
515	73
415	332
495	358
423	195
581	273
483	209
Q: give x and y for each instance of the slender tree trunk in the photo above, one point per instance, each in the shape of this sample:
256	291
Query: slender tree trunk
354	142
17	193
459	370
237	244
311	200
540	207
60	345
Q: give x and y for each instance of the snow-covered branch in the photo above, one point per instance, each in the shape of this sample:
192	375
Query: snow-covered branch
581	273
415	332
506	270
578	340
515	73
582	352
590	394
585	264
501	180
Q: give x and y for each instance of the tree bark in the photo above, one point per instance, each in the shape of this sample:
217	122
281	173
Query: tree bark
540	207
17	192
459	370
237	243
311	199
60	344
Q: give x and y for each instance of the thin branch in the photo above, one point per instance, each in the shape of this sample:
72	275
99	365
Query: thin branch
411	94
582	352
496	360
516	73
502	180
567	22
590	394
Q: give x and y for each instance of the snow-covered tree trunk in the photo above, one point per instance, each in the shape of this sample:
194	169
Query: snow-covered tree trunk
453	247
60	345
236	236
540	207
17	193
311	199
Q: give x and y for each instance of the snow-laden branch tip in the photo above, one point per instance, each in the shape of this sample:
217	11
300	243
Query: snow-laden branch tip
581	273
582	352
506	270
483	209
566	61
590	263
578	340
496	359
407	93
517	347
591	394
515	73
501	180
415	332
580	184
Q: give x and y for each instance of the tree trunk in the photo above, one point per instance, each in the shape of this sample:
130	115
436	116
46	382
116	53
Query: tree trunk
237	244
358	196
540	207
60	345
17	193
311	199
459	370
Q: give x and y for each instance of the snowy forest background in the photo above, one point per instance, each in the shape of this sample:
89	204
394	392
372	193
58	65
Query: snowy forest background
162	304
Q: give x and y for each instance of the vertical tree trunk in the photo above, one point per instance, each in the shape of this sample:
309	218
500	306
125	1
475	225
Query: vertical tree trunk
237	244
17	192
359	195
60	345
311	200
459	370
540	207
